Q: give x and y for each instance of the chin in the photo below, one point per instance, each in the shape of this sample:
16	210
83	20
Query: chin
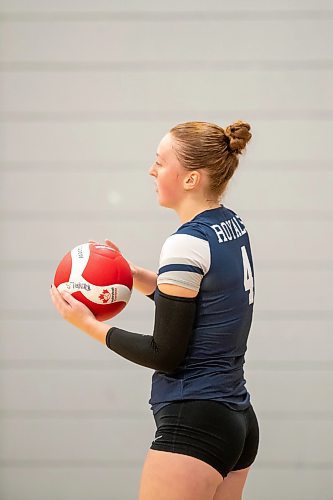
165	201
165	204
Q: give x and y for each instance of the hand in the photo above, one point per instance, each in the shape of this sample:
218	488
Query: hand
109	243
71	309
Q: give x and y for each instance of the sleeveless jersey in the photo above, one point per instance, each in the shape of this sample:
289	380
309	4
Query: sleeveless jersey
210	254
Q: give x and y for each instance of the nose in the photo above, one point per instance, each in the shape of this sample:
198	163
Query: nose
152	170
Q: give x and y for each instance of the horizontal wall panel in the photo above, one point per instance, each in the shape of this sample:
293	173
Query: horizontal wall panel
83	142
290	391
134	191
119	440
301	483
137	142
298	343
111	390
138	241
69	93
167	66
310	441
119	391
172	5
147	6
272	190
295	342
129	439
293	289
68	482
65	345
147	41
307	291
121	482
291	243
188	16
92	192
298	241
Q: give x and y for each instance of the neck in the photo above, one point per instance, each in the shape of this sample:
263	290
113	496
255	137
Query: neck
187	210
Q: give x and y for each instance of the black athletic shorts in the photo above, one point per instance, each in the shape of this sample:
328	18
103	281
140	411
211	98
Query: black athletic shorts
208	430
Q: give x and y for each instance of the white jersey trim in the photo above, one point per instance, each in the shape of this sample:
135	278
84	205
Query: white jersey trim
180	251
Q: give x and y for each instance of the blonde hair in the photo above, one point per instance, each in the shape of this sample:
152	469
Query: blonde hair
206	145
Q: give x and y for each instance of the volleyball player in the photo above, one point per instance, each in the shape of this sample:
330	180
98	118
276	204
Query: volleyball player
206	429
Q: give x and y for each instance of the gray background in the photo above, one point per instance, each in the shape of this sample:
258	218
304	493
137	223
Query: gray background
88	88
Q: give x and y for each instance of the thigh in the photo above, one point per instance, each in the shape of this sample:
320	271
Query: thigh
232	486
167	476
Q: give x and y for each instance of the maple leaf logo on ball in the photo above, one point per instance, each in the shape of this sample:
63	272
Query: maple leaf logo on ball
105	296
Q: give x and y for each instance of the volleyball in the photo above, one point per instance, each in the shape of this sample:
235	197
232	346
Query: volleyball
98	276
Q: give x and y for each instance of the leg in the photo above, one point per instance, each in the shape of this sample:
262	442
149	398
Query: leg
232	486
172	476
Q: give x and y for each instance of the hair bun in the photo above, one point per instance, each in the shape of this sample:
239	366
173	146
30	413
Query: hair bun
239	135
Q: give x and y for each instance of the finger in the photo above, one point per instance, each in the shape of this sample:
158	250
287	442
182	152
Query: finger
73	305
93	242
132	267
60	298
70	300
52	295
55	294
55	291
112	245
57	299
67	297
63	297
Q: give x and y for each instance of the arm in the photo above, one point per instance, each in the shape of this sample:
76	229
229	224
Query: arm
144	281
164	350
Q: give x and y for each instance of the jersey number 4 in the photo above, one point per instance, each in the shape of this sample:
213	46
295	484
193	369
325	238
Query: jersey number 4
248	276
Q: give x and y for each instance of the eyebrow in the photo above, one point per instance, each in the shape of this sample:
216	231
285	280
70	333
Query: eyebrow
160	157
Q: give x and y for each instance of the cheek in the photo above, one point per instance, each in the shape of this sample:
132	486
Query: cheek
169	188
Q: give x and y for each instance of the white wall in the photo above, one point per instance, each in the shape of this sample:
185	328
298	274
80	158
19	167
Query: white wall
88	88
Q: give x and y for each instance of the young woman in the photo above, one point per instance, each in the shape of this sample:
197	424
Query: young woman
207	432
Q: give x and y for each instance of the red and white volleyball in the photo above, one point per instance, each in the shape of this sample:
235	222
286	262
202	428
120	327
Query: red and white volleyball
98	276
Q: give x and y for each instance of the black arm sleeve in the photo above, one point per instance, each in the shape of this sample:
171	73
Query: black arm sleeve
166	349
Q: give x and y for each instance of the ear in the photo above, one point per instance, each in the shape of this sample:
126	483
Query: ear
192	180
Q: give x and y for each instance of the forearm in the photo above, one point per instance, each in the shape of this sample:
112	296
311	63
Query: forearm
144	280
166	348
96	329
135	347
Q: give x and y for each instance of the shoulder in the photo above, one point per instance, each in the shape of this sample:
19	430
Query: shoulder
195	229
188	245
185	259
187	235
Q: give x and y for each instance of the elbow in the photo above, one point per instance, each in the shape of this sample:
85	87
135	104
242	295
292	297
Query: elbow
168	365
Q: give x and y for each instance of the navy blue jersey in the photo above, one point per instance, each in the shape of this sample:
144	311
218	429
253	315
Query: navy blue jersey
212	255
